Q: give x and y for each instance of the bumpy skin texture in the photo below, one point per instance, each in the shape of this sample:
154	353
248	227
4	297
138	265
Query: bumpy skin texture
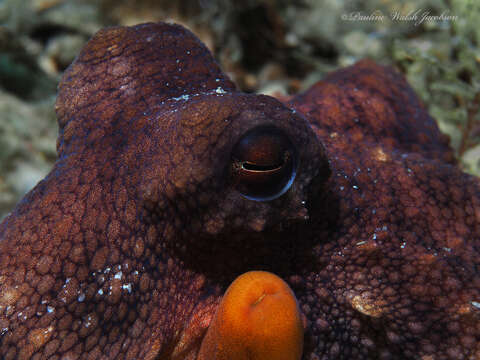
125	249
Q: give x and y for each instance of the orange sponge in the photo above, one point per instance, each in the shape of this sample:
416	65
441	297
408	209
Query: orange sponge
257	319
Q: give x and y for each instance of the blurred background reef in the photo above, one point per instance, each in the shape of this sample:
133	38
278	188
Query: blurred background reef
266	46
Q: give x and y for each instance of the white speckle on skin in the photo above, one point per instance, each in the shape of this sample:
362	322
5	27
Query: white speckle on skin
81	297
100	292
50	309
219	90
127	287
476	304
118	275
183	97
88	322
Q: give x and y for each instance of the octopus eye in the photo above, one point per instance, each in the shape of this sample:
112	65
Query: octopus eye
263	163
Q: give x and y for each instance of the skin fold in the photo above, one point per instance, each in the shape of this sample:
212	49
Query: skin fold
170	184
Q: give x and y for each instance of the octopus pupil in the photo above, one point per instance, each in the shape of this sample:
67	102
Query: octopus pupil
255	167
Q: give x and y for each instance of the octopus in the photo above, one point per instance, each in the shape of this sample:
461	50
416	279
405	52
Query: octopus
341	213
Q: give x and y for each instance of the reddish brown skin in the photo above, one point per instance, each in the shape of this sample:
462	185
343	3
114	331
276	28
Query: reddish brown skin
124	250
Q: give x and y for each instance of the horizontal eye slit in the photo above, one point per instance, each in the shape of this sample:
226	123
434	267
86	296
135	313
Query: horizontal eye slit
255	167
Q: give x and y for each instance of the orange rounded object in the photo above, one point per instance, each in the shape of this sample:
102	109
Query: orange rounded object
257	319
